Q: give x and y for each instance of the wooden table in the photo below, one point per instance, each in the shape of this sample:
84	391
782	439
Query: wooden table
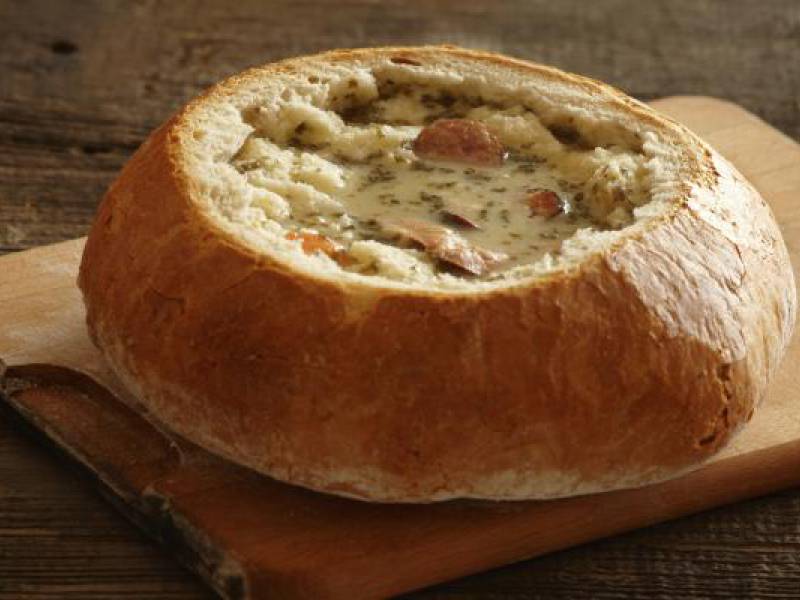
82	83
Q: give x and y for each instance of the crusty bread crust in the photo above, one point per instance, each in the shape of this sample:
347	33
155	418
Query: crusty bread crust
633	368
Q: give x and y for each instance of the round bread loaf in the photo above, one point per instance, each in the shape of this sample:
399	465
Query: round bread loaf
415	274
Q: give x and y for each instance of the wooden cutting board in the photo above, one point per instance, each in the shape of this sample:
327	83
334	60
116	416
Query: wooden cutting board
251	537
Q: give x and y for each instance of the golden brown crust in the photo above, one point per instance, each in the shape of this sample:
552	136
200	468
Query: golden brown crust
633	368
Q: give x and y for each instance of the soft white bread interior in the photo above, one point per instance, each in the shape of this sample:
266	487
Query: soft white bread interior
234	282
627	174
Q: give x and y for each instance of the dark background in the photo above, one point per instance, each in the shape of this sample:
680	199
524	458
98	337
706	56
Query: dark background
81	85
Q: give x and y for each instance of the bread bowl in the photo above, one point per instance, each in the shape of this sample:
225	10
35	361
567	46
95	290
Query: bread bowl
284	275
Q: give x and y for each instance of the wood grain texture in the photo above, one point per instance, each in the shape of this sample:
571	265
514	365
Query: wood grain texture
82	83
